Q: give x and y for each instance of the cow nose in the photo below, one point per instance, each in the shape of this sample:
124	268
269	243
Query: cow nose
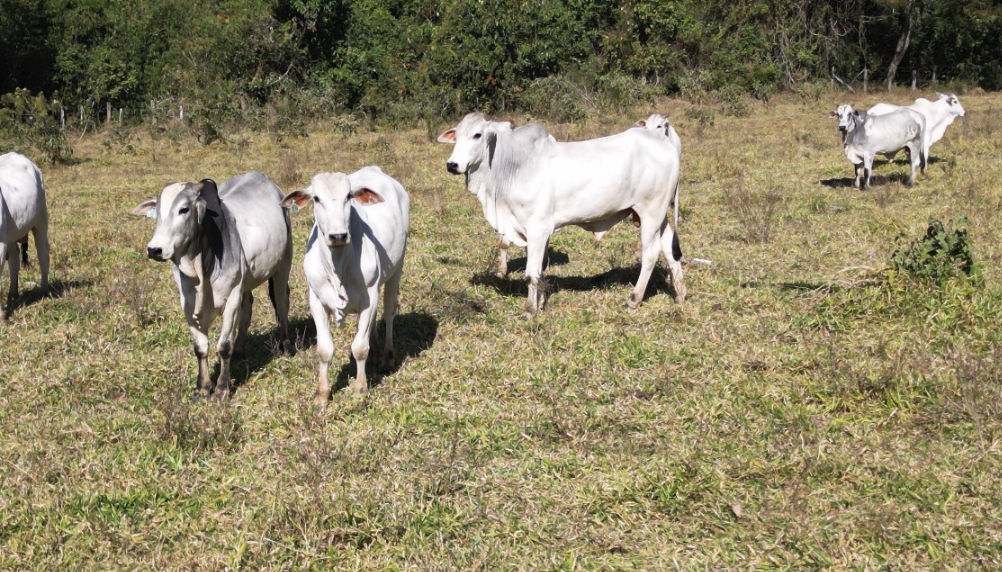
338	238
452	167
154	253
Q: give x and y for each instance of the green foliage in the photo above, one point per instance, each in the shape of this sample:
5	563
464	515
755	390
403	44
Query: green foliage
32	122
942	254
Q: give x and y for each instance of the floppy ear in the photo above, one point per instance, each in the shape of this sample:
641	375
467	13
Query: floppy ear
940	95
298	198
641	123
366	196
145	207
448	137
208	195
832	114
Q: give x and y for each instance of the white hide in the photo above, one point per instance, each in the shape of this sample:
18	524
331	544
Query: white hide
22	210
867	136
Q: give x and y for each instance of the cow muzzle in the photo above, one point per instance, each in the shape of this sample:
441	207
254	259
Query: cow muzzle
155	253
337	239
453	168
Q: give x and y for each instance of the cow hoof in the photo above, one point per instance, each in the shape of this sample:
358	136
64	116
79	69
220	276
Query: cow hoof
321	399
221	396
359	392
287	348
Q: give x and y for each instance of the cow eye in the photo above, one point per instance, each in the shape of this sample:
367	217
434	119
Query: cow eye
316	200
183	210
477	136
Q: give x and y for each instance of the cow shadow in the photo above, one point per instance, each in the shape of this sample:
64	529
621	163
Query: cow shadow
57	288
613	278
875	180
413	333
261	348
838	183
553	258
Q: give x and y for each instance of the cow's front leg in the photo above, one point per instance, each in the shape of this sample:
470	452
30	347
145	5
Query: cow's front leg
391	293
4	249
858	169
200	341
867	171
325	347
15	270
535	255
360	345
227	337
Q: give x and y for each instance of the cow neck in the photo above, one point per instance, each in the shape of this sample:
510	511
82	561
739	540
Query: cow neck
212	247
492	180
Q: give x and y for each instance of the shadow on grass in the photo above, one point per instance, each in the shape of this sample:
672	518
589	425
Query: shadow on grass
413	333
616	277
261	348
56	290
875	180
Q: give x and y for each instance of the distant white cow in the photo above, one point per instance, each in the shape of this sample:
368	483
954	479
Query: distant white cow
866	136
357	246
938	115
529	185
22	210
223	243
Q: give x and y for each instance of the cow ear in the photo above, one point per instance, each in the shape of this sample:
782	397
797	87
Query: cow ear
641	123
144	208
941	95
832	114
448	137
208	194
298	198
366	196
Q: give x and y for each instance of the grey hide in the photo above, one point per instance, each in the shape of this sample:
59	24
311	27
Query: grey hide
867	136
22	210
356	247
222	244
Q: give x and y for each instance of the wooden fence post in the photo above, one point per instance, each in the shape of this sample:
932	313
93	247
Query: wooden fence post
107	120
866	78
914	78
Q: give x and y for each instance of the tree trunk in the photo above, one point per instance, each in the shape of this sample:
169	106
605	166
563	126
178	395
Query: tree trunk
899	52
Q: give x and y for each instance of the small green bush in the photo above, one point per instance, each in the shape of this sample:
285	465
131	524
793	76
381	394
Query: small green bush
32	122
942	254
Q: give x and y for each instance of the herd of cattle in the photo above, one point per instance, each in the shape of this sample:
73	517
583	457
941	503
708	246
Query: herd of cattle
225	241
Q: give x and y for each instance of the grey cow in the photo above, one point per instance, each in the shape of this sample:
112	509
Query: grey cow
223	242
356	247
22	210
865	136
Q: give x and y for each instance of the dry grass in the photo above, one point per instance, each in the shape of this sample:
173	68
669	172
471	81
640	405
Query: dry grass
791	415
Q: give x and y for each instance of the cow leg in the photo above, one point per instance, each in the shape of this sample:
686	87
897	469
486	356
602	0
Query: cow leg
673	254
858	171
867	171
3	259
503	258
325	347
360	345
650	249
227	335
246	311
41	234
24	251
200	341
278	290
535	252
15	269
390	294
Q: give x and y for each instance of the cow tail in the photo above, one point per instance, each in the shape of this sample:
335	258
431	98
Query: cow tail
676	248
676	206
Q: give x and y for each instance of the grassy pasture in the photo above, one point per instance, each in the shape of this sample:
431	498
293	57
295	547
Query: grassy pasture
801	411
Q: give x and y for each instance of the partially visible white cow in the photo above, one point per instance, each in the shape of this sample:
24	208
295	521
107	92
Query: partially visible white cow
356	247
222	244
659	123
22	210
866	136
530	185
938	115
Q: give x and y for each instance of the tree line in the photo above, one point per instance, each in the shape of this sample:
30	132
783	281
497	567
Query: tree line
386	59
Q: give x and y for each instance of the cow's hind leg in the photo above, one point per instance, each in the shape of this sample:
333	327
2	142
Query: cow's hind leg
672	250
325	347
360	345
535	255
278	291
650	241
3	259
41	234
503	258
246	310
227	337
24	251
15	269
390	295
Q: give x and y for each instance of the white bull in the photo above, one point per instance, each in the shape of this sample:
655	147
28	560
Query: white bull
22	210
223	243
530	185
660	124
938	115
356	246
866	136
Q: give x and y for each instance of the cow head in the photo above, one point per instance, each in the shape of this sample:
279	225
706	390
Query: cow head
332	198
845	115
656	122
472	138
180	210
952	103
